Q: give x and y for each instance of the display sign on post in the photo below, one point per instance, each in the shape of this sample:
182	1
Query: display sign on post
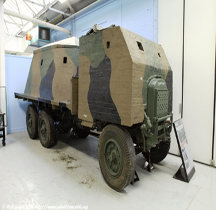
187	169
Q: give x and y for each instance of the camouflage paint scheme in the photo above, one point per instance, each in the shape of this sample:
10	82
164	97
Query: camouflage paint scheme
49	77
113	66
114	74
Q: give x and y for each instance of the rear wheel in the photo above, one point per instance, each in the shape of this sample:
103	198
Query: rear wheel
46	129
158	153
116	156
32	121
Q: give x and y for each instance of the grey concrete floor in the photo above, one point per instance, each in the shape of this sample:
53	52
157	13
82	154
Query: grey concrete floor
68	176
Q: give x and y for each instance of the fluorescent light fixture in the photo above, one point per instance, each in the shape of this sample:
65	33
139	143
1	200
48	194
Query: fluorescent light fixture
27	27
62	1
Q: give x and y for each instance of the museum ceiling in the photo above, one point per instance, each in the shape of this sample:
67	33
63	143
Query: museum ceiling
52	11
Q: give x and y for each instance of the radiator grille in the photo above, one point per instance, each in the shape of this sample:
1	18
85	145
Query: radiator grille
162	103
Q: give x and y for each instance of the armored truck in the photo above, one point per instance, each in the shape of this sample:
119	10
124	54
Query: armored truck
116	82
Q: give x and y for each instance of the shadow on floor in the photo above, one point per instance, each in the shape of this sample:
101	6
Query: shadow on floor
88	146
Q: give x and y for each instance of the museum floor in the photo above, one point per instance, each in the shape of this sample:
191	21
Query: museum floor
69	174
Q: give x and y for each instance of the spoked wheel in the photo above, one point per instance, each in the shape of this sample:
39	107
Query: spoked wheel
158	153
46	129
32	121
116	155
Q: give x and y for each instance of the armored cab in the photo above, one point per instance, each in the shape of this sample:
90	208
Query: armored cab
116	69
116	82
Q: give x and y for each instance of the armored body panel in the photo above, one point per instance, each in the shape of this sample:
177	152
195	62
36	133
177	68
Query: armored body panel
50	73
116	66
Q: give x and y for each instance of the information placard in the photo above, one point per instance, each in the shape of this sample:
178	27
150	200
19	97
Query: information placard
187	169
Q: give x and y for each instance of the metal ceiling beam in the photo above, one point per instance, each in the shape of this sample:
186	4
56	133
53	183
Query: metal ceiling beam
58	11
39	13
13	23
71	8
55	18
33	2
18	10
29	7
81	11
45	8
48	7
36	21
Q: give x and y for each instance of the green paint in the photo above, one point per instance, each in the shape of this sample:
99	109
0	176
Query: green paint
28	83
73	53
113	157
47	56
153	67
92	47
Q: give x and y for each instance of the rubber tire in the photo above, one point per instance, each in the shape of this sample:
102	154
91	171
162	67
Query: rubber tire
82	133
160	152
128	155
32	109
50	140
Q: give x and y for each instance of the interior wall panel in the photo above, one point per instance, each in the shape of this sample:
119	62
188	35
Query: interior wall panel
170	36
214	144
136	15
16	73
199	77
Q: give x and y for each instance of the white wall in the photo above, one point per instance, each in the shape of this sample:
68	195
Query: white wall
170	36
15	44
199	76
2	59
198	68
139	16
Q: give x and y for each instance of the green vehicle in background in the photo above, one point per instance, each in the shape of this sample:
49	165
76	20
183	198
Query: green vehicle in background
116	82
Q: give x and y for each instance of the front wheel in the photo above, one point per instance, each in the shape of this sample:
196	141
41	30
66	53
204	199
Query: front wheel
116	156
158	153
46	129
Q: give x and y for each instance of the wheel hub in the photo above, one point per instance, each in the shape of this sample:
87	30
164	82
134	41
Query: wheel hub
113	157
43	129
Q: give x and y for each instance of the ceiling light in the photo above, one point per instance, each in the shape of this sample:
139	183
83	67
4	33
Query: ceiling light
27	26
62	1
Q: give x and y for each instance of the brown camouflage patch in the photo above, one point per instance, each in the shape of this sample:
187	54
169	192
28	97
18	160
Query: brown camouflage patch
84	82
63	75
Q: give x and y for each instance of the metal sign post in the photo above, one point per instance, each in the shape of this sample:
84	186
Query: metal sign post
187	169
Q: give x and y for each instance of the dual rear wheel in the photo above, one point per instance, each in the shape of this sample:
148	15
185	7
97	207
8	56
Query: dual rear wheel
32	121
46	129
42	125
